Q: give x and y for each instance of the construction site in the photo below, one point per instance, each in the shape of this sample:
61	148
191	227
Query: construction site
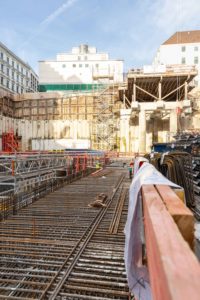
66	165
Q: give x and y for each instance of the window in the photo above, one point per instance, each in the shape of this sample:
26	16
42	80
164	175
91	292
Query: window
183	48
2	80
12	75
17	67
183	60
86	58
18	78
8	72
74	65
86	65
196	60
196	48
1	55
79	58
13	63
8	60
64	66
97	65
17	89
80	65
7	84
13	87
2	69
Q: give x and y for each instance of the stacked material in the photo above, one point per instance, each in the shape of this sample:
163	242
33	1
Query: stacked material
177	167
181	164
196	181
190	142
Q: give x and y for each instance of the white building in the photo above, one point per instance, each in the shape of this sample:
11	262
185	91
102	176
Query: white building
83	65
182	48
15	75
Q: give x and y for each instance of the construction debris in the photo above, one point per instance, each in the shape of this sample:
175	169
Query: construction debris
99	201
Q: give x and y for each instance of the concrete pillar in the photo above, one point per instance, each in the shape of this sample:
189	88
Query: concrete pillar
160	91
124	99
125	130
173	122
134	92
142	131
155	130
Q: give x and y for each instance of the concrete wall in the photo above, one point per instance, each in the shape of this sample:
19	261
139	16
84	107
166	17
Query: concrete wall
130	139
76	130
77	133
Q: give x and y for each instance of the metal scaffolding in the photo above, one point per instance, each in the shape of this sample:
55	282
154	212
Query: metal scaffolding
105	123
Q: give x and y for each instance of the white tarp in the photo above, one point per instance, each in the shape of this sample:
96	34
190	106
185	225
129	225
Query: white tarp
137	273
60	144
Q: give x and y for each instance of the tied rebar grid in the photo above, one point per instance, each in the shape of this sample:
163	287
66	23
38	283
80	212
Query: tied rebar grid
60	248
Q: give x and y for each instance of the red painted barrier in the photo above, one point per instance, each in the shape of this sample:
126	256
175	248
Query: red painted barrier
174	269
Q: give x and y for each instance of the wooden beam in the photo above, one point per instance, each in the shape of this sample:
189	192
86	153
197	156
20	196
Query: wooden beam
181	214
134	91
178	88
129	103
144	91
174	270
160	90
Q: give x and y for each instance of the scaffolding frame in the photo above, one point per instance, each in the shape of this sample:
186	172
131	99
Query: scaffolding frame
105	123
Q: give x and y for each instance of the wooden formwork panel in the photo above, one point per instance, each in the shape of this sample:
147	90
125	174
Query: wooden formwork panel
181	214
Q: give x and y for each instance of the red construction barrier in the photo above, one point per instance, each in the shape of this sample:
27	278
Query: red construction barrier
9	142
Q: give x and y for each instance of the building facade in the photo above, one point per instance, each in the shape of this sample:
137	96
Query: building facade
15	75
82	66
182	48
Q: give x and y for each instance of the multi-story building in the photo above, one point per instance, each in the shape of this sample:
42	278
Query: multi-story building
182	48
82	66
16	76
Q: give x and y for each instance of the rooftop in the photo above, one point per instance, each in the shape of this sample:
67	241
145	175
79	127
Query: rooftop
184	37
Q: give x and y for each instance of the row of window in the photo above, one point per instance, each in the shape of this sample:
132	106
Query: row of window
80	65
8	71
103	56
13	75
196	60
12	86
183	48
14	64
84	58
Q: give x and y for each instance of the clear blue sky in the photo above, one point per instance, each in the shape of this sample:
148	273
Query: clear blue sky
127	29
